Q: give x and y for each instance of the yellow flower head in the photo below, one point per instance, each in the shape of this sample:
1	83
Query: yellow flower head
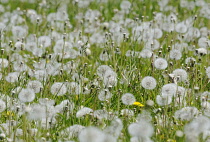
138	104
171	140
8	113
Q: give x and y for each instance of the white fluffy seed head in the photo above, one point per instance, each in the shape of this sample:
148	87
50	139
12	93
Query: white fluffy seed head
181	28
104	95
84	111
149	82
115	128
186	113
37	112
110	78
128	99
73	88
2	105
3	63
141	129
35	85
12	77
26	95
102	69
44	41
72	131
181	74
199	125
175	54
125	5
160	63
58	89
91	134
169	89
179	133
163	100
208	72
146	53
100	114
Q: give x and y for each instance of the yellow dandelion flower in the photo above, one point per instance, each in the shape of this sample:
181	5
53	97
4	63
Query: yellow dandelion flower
171	140
138	104
8	113
77	97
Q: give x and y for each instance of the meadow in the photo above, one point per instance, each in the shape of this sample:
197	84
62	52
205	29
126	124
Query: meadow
104	71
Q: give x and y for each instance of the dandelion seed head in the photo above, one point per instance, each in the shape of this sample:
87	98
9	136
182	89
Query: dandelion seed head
52	68
204	32
102	69
104	56
125	5
130	53
205	96
190	61
19	46
20	66
58	88
181	28
205	104
203	42
73	88
100	114
144	115
12	77
84	111
169	89
157	33
44	41
104	95
197	126
127	112
73	131
150	103
19	31
2	105
35	85
179	133
208	72
175	54
163	100
3	63
147	35
152	45
141	129
149	82
40	74
91	134
207	112
65	105
181	73
26	95
46	102
201	51
146	53
160	63
110	78
168	26
97	38
128	99
37	112
186	113
115	128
